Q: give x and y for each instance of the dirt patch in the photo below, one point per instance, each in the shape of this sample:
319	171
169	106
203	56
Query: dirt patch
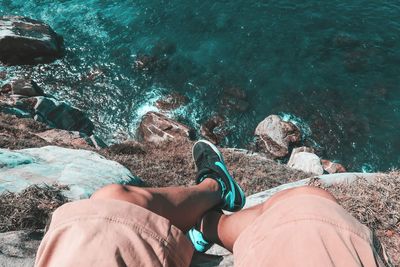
17	133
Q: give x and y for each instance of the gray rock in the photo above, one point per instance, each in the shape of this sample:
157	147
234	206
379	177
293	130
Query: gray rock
83	171
156	128
275	135
46	109
27	41
305	161
61	115
18	248
26	87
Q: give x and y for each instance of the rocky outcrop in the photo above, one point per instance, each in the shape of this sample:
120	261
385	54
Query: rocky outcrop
213	129
81	170
156	128
273	136
24	98
304	159
27	41
71	138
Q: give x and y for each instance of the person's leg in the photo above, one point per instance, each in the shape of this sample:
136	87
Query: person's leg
225	229
182	206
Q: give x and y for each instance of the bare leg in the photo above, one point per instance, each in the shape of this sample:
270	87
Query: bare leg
225	229
182	206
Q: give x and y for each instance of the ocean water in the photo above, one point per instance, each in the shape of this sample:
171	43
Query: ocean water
331	66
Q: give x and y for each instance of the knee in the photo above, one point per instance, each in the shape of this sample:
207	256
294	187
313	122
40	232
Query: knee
302	190
109	191
131	194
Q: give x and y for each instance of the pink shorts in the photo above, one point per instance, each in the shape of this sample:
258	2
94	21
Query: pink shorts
111	233
306	230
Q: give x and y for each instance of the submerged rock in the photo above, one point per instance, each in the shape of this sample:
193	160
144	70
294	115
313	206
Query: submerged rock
149	63
332	167
234	99
82	171
157	128
303	159
171	101
28	41
275	135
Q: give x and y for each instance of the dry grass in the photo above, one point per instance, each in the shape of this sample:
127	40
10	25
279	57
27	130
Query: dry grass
31	208
376	205
171	164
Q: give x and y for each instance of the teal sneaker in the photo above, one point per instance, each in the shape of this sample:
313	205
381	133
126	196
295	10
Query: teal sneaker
210	164
199	243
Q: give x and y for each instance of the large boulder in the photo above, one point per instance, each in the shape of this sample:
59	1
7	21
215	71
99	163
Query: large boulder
303	159
156	128
82	171
275	135
27	41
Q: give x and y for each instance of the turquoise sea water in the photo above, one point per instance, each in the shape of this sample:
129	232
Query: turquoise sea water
333	66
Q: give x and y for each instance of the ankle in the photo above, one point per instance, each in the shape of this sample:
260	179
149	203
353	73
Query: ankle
212	185
209	226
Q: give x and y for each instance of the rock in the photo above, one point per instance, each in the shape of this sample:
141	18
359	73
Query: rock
213	130
63	137
27	41
275	135
305	161
18	248
356	61
82	171
346	42
157	128
235	99
25	87
45	109
332	167
6	88
163	48
149	63
61	115
172	101
71	138
3	75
